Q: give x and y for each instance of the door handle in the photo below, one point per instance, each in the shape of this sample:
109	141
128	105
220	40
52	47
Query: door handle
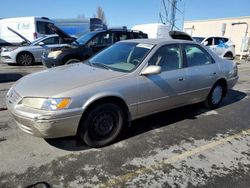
214	73
181	79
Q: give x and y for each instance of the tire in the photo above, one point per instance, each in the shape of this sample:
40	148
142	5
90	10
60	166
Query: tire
215	96
70	61
102	124
25	59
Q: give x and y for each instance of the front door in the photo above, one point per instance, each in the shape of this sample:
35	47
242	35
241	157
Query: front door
165	90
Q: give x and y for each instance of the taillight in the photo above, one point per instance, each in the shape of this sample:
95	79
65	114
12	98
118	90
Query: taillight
34	35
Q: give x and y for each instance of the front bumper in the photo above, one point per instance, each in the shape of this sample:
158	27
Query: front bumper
52	128
41	123
7	57
50	62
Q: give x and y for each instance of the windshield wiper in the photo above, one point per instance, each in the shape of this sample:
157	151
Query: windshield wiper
100	65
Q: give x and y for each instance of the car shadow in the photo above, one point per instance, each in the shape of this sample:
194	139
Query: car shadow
10	77
151	122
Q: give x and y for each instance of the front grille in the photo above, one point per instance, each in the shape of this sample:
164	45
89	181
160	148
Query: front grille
13	97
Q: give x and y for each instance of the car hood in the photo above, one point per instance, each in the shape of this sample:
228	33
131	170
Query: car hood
18	34
55	81
61	33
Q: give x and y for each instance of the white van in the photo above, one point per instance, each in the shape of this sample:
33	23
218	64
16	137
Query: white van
154	30
30	27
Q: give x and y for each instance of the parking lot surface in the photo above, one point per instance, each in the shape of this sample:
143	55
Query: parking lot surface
185	147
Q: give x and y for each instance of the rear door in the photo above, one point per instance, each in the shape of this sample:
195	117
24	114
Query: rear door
165	90
202	72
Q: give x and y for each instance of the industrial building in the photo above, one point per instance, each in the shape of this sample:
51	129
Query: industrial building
235	28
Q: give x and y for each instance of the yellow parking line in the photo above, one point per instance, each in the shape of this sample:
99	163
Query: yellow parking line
123	178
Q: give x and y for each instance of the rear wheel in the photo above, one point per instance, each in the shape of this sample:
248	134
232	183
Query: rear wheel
25	59
102	125
215	96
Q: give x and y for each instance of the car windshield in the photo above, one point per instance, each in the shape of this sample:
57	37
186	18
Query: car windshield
123	57
85	38
198	39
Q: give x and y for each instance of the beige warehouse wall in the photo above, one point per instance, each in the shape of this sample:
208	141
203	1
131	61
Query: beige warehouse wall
213	27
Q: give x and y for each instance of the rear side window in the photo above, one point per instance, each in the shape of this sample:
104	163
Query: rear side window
197	56
122	36
220	40
42	28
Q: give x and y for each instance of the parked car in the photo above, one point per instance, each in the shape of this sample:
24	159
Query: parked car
95	99
222	46
31	28
29	52
87	45
4	43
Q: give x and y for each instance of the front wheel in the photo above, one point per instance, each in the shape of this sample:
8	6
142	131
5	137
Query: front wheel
215	96
102	125
25	59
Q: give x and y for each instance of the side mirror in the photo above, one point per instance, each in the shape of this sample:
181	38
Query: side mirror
151	69
205	43
41	43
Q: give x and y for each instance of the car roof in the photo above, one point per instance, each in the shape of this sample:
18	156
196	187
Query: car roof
117	30
157	41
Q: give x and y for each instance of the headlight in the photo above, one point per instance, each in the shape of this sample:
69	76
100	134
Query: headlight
9	49
54	54
50	104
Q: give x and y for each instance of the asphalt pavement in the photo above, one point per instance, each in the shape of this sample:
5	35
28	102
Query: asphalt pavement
185	147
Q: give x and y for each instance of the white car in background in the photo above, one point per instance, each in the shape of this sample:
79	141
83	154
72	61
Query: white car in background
222	46
28	52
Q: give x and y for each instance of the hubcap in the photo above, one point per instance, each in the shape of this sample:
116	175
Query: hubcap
103	124
217	95
25	59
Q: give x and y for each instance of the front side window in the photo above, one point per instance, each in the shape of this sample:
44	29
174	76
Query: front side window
103	39
51	40
167	57
123	57
197	56
209	42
